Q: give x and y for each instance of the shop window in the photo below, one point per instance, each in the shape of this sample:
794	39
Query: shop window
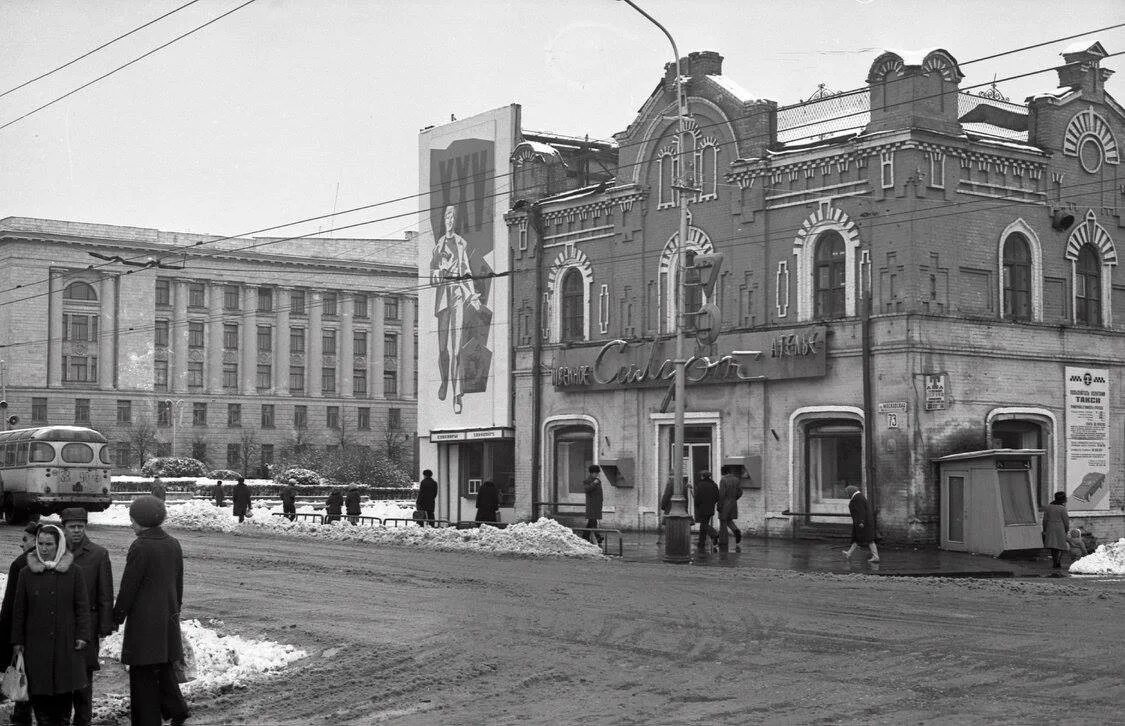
1017	278
482	461
1088	287
830	275
572	452
833	461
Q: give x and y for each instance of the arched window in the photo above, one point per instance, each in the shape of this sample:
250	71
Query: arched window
79	291
829	275
573	306
1017	278
1088	288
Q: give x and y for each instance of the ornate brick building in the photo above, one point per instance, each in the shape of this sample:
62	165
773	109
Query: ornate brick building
231	349
909	271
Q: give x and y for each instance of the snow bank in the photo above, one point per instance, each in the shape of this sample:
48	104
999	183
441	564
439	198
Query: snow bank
117	515
1107	559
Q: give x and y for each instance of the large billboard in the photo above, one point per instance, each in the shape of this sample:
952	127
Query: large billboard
1087	438
463	358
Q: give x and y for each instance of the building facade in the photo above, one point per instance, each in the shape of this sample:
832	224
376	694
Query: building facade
908	271
230	349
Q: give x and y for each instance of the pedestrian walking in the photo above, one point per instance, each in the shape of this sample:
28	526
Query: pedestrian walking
351	504
217	494
241	497
158	489
149	603
333	504
51	627
863	525
427	498
730	491
488	503
289	500
592	487
1056	523
706	500
21	710
93	560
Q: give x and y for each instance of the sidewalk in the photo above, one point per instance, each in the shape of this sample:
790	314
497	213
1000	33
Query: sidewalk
827	556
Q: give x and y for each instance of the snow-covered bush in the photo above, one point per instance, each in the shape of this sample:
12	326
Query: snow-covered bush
224	474
173	466
302	477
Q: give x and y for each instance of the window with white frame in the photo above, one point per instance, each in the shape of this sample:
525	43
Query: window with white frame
937	170
572	311
1092	255
567	299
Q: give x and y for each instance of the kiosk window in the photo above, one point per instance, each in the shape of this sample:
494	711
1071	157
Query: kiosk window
1015	497
957	508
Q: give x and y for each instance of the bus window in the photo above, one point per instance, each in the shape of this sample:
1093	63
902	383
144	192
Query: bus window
40	452
10	454
104	454
77	453
21	454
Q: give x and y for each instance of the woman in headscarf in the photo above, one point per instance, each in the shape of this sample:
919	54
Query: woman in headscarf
488	503
1056	523
51	627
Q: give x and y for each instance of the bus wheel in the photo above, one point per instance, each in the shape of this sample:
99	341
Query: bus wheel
8	510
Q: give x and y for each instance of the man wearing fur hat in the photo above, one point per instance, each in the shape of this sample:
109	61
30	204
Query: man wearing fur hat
148	603
93	560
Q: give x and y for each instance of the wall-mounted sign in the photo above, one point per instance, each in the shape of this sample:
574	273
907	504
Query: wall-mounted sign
1087	438
436	436
892	407
936	385
474	435
641	364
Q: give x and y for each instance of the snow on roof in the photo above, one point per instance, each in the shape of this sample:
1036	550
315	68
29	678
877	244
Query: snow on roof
832	116
1081	46
540	148
731	87
992	117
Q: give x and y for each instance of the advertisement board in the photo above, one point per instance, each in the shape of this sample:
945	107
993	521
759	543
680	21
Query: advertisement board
1087	438
463	358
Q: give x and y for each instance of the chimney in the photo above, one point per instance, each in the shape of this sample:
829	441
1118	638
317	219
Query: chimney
1082	70
697	63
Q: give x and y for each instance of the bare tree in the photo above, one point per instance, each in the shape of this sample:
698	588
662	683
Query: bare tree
140	438
248	450
397	444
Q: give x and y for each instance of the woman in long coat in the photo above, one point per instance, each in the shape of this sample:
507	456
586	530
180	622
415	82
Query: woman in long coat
1056	523
51	627
241	500
488	502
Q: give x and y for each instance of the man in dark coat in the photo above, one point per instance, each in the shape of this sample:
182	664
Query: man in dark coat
149	602
158	489
351	504
730	490
333	505
93	560
592	486
289	500
217	494
863	524
21	710
706	499
1056	523
241	497
427	498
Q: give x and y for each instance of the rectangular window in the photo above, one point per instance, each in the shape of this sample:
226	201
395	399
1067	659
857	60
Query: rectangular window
163	413
333	417
267	454
267	415
195	334
198	414
359	382
81	410
300	417
329	304
265	338
163	293
329	341
390	345
195	375
39	410
196	298
234	456
394	418
230	376
296	340
390	383
328	380
360	301
296	379
359	343
230	297
121	456
521	243
234	415
265	377
199	450
363	418
265	299
124	412
161	337
297	303
887	167
160	375
937	169
390	308
230	336
79	327
80	369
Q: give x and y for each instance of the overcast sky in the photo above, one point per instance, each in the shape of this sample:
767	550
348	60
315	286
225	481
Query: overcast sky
294	108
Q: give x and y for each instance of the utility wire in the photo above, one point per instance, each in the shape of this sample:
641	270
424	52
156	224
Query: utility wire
89	53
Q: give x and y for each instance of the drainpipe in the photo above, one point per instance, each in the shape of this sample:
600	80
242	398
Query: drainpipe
534	223
868	407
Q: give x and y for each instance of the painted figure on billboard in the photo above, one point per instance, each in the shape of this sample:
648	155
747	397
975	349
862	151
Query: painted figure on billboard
451	276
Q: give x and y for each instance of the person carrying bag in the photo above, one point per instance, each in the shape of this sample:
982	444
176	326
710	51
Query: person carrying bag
14	685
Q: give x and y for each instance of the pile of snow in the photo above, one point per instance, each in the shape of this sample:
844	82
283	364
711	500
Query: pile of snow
1107	559
222	662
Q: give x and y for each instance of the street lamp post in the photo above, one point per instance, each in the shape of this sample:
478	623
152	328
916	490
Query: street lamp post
175	408
677	530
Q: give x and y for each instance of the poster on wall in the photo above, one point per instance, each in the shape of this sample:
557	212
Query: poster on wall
1087	438
463	370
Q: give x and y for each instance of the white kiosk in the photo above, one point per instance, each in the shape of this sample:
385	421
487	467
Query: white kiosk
988	501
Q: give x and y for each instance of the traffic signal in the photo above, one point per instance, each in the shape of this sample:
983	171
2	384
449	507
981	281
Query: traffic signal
3	405
700	280
13	420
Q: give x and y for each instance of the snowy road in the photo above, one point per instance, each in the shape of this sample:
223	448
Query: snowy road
418	636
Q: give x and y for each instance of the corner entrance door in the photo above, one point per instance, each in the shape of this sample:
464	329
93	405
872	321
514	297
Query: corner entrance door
696	453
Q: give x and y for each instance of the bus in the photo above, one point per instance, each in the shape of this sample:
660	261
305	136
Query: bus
47	469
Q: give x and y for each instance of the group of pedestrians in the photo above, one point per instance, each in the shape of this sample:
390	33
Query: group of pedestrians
710	499
59	603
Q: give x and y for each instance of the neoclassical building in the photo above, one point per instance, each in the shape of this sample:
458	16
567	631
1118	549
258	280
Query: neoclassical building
232	349
910	270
